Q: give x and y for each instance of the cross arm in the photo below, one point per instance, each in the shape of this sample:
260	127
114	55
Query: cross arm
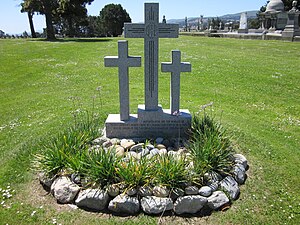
168	30
111	61
134	30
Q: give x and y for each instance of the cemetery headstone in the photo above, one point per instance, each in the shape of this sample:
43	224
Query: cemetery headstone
151	120
243	23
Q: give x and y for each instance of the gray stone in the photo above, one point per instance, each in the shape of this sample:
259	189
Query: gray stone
124	204
214	186
113	190
100	140
149	146
137	147
191	190
107	144
175	67
161	191
123	62
64	190
145	191
144	152
230	186
176	192
189	204
171	153
239	173
240	159
156	205
154	151
205	191
217	200
292	27
131	191
93	199
45	180
159	140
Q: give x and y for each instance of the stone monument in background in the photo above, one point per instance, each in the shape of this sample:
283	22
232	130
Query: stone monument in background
151	120
243	23
292	27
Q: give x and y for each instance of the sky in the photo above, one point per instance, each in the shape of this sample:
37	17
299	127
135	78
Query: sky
12	21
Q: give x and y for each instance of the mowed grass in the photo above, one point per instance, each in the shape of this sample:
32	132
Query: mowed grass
254	86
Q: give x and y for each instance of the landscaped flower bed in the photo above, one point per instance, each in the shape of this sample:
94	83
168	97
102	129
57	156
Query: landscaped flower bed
155	176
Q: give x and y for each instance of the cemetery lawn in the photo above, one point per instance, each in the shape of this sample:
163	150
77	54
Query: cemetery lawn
254	87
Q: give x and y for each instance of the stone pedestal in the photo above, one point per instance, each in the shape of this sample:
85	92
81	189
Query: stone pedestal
292	28
149	124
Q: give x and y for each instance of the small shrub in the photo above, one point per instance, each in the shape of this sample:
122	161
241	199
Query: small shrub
210	147
170	171
134	172
99	168
68	149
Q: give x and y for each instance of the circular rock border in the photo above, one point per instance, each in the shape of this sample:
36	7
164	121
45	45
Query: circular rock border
218	193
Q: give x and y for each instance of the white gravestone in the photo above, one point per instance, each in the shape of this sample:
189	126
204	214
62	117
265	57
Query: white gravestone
175	67
151	121
243	23
123	62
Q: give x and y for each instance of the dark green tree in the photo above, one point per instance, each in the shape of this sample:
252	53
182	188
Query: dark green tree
73	15
112	19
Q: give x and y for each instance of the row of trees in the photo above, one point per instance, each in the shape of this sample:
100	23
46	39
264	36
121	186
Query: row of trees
69	18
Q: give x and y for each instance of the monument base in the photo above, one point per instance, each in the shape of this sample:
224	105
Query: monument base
242	31
149	124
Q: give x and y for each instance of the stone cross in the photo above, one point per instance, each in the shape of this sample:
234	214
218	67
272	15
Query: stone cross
151	31
123	62
175	67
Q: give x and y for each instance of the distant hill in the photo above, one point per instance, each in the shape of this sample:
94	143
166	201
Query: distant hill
227	17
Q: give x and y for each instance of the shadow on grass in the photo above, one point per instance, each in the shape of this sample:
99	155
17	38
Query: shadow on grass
74	40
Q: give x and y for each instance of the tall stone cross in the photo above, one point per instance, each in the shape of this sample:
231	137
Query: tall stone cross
175	67
123	62
151	31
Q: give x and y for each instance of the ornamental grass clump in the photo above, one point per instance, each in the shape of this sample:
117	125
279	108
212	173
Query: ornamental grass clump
210	147
99	167
134	173
67	151
170	171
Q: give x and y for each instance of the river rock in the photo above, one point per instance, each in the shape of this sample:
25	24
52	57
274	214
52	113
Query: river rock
239	173
145	191
161	191
189	204
113	190
93	199
64	190
217	199
124	204
231	186
127	145
205	191
239	158
160	146
156	205
191	190
137	147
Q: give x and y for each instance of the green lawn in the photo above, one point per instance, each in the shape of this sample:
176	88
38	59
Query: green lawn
254	86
